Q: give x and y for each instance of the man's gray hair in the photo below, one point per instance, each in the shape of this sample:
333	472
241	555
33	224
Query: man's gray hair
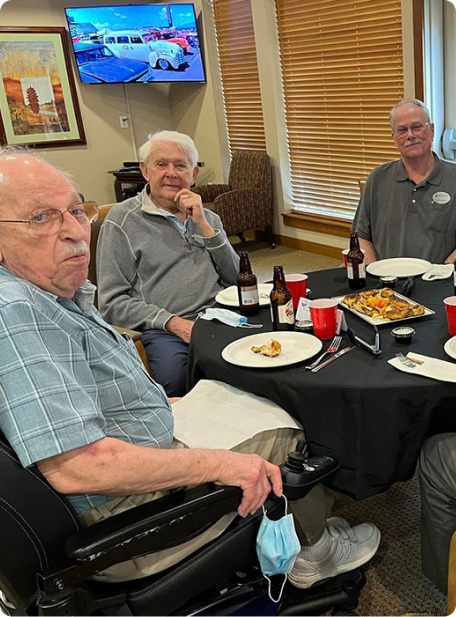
185	143
415	102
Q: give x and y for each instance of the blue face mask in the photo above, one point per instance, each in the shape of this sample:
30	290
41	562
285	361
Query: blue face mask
230	318
277	547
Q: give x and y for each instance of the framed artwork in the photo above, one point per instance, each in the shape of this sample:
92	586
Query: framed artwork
38	101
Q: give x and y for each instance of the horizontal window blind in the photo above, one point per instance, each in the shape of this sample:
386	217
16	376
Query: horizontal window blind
239	69
342	72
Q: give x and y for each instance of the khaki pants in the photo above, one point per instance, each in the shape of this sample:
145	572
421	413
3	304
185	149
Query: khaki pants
309	513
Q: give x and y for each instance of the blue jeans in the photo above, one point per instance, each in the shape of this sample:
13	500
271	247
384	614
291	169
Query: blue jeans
167	354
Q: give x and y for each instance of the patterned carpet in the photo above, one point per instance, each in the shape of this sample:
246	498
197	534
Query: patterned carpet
394	585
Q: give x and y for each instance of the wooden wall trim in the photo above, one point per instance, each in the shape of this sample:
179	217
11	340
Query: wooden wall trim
418	47
310	247
319	223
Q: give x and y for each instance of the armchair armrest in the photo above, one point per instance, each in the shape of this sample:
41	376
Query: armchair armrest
209	192
133	334
136	338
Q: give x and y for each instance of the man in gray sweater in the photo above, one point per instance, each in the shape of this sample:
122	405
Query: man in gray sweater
162	258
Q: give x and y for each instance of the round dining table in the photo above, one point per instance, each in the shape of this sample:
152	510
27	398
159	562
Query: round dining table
372	417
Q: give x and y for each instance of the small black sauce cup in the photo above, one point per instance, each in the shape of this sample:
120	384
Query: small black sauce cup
403	334
388	281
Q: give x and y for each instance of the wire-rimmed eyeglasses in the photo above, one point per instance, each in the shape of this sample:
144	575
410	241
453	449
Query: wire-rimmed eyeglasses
415	129
49	221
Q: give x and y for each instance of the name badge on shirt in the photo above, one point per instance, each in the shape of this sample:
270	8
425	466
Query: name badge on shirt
441	198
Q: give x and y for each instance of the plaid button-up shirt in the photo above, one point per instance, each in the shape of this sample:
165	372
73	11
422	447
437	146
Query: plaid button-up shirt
68	379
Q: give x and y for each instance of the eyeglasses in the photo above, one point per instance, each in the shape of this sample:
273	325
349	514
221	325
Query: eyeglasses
48	222
415	129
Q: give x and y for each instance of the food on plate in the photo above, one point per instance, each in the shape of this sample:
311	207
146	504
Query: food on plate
383	304
271	349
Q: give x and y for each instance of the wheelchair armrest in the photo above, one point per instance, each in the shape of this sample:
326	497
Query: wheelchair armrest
156	525
300	475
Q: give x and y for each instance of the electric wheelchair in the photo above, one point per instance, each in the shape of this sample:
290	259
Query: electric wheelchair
47	557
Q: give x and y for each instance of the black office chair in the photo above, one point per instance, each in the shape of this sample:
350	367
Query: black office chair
46	558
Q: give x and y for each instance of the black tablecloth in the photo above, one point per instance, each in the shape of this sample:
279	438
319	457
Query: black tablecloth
372	417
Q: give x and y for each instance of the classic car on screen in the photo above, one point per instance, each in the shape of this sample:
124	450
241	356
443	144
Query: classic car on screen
97	64
166	55
186	47
141	47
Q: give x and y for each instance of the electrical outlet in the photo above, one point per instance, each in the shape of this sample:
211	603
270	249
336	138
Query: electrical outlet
123	122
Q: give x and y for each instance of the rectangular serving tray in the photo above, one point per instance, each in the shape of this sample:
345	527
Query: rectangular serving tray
381	321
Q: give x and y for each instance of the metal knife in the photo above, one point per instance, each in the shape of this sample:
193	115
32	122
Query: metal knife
334	357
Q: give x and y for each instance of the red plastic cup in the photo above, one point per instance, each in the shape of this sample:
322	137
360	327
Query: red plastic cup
297	284
450	308
324	318
344	254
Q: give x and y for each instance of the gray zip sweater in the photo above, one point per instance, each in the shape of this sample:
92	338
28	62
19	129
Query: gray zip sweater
148	270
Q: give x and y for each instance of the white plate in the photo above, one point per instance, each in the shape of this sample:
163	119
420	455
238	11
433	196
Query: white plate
450	347
378	321
399	266
229	296
296	347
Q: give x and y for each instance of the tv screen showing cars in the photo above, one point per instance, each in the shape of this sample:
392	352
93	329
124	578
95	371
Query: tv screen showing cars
136	43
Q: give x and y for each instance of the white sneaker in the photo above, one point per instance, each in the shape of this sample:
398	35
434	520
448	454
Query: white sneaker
349	548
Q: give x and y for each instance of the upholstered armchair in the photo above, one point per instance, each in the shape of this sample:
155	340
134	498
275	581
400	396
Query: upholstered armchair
245	203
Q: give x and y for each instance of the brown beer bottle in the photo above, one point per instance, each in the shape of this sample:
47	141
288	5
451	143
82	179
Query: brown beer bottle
249	299
356	272
282	313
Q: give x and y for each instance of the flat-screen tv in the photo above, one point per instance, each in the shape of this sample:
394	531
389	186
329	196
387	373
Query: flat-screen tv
136	43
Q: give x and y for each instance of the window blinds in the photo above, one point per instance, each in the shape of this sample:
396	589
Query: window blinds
342	72
239	69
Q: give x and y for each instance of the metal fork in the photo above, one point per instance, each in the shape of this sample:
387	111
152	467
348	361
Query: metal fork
334	346
405	361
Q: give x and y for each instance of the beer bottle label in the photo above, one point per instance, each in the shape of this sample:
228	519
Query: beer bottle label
285	313
362	270
350	271
249	295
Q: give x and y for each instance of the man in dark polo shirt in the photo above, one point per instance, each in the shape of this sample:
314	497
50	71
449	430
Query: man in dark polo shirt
408	206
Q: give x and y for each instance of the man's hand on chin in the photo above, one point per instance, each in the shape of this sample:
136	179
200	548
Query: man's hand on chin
191	204
180	327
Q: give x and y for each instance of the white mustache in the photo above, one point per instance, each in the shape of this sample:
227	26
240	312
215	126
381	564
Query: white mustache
413	142
78	248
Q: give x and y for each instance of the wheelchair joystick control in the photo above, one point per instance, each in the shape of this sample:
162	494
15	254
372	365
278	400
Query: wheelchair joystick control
300	474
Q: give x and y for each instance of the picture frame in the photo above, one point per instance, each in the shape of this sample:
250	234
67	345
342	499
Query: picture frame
38	100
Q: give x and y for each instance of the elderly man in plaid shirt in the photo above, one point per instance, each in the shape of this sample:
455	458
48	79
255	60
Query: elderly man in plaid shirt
76	401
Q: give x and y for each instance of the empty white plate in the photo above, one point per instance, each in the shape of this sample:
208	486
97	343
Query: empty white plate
229	296
399	266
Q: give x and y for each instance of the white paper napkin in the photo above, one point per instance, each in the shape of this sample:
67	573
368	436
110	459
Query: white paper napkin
216	415
438	271
431	367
